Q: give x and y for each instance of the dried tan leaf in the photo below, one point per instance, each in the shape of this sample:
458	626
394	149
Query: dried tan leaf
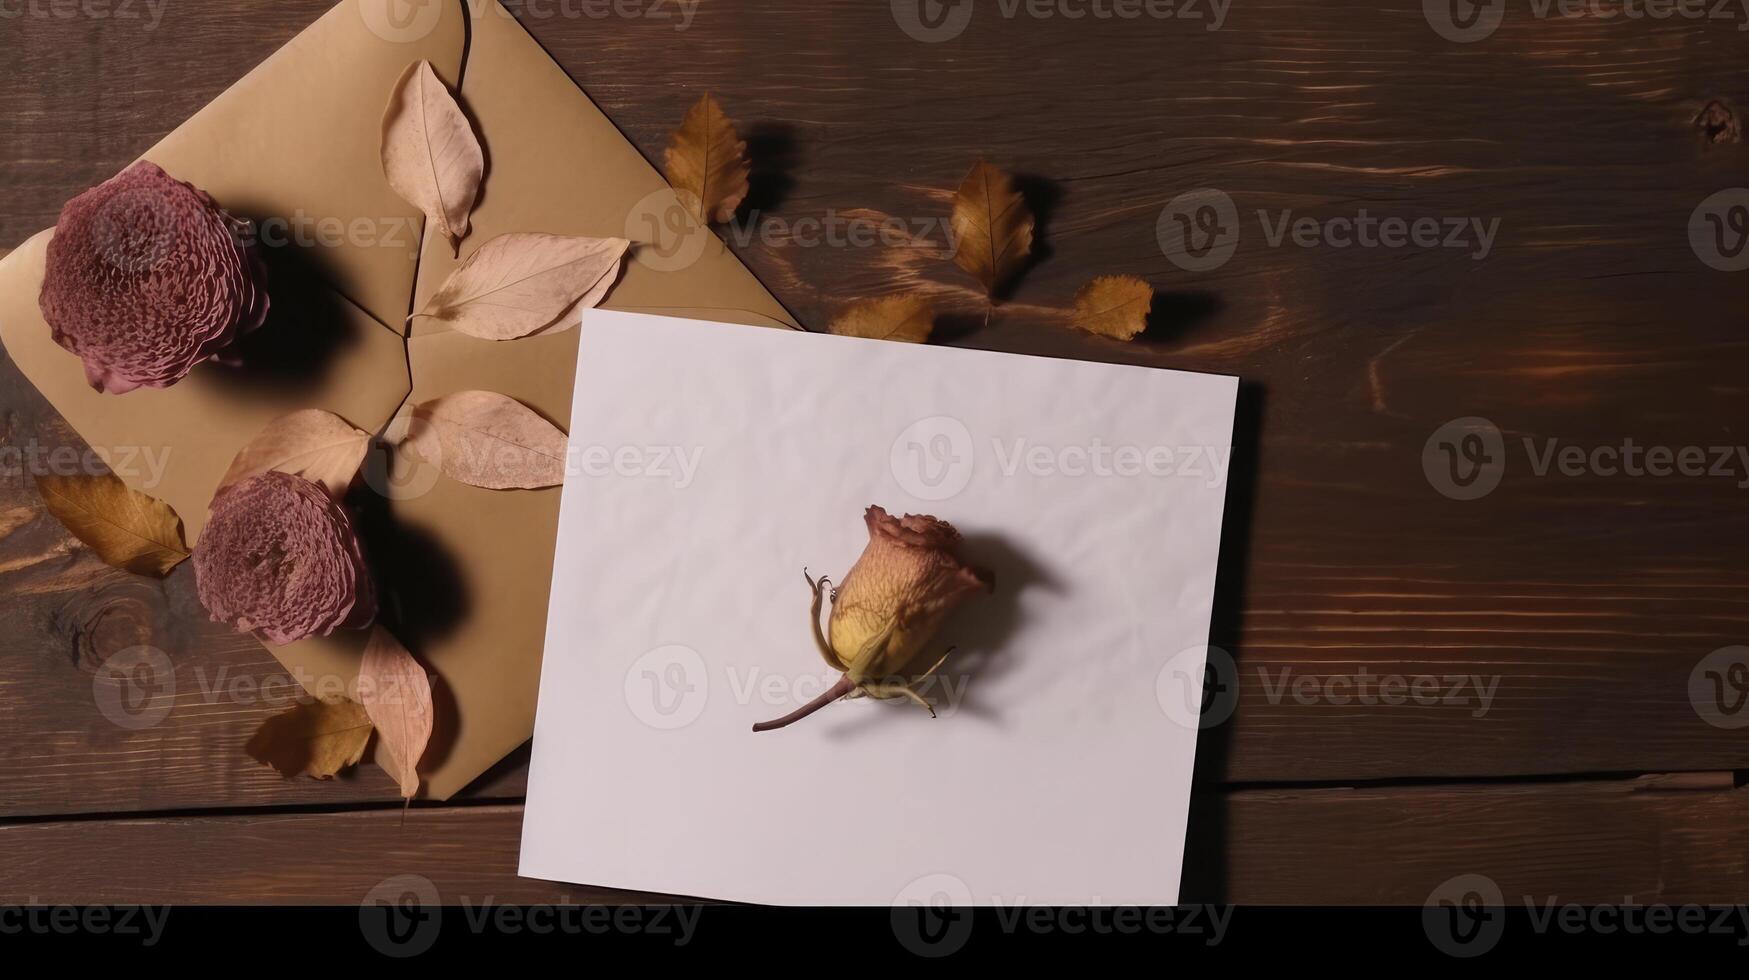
430	154
707	162
1113	306
907	317
315	738
128	529
319	446
485	439
397	696
992	227
517	284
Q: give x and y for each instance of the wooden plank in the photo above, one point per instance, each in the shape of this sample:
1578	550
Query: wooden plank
1648	840
1586	600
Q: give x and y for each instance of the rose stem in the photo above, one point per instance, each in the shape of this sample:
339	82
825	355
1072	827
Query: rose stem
833	693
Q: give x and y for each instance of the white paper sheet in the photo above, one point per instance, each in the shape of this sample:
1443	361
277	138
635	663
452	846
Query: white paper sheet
711	463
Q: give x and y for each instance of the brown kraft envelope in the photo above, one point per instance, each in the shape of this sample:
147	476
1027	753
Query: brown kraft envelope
298	140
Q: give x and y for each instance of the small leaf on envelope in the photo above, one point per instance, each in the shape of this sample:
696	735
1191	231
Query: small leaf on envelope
315	738
430	154
706	162
319	446
907	317
992	227
485	439
517	284
1113	306
397	696
128	529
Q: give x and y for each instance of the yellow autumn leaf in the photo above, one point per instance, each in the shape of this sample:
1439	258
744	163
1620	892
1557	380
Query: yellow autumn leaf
1113	306
992	227
315	738
907	317
706	162
128	529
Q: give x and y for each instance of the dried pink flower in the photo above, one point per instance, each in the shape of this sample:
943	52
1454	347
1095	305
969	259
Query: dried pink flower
889	607
280	557
147	277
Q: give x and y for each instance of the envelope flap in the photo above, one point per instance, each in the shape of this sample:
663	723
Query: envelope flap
557	164
296	145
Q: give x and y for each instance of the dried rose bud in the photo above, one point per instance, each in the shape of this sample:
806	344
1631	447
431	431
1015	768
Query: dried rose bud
279	557
147	277
887	610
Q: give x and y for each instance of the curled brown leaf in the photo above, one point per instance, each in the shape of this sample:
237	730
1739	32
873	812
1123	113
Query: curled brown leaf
128	529
992	227
706	162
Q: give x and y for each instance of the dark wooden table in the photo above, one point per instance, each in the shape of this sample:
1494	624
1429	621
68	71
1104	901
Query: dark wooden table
1584	601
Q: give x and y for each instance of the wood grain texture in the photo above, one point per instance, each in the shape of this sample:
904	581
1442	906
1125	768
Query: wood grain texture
1657	840
1586	600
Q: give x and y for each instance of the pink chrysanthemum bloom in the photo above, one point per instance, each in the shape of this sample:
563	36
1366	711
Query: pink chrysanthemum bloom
280	558
147	277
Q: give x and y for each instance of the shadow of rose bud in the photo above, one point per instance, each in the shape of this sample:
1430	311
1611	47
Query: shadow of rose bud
147	277
280	558
888	609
